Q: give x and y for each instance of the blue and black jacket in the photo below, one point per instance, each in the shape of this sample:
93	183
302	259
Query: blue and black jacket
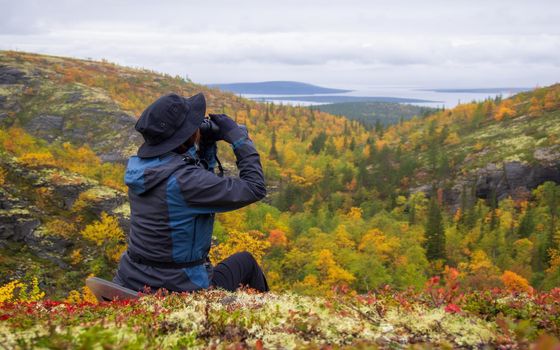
172	205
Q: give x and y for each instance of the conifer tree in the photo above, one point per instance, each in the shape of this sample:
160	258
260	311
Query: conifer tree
352	144
318	143
266	112
527	224
412	212
273	154
493	205
379	128
435	236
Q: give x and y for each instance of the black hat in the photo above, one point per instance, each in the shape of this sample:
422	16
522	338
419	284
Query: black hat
169	122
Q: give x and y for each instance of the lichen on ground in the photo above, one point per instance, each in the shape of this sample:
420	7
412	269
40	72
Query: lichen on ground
220	318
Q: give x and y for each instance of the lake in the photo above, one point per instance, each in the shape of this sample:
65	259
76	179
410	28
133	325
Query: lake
417	95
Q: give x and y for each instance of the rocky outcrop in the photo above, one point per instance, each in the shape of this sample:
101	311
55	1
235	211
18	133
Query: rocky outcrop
10	75
47	127
19	223
47	246
515	179
23	215
102	199
73	97
119	149
9	105
549	156
79	115
16	224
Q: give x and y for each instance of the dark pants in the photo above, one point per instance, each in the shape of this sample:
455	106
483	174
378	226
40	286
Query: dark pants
239	268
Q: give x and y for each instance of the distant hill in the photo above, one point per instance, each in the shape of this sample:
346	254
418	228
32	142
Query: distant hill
277	88
370	113
345	98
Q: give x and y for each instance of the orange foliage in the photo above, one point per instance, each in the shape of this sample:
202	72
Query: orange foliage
452	139
515	283
505	110
376	241
61	228
536	107
38	159
82	160
478	146
551	100
355	213
379	144
457	216
251	241
343	239
352	185
331	273
3	174
277	238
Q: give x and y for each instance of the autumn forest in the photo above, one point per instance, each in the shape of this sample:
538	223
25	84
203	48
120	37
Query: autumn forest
453	193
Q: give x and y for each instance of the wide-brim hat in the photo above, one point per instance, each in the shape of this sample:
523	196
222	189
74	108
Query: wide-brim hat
169	122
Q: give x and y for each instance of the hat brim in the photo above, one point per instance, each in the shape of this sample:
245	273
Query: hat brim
195	117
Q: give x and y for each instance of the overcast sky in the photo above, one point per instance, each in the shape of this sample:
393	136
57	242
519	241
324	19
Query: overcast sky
337	44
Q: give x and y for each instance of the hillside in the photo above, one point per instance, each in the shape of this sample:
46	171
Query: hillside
63	115
505	146
473	189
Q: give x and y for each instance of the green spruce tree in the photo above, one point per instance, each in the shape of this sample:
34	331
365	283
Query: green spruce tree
435	235
273	154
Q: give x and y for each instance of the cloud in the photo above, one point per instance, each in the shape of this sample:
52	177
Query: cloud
355	40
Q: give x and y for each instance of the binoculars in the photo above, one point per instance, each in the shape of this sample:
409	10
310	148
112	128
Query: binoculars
209	129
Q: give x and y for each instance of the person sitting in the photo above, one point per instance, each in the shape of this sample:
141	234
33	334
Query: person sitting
174	194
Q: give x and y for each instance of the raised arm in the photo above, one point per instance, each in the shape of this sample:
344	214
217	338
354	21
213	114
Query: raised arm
210	193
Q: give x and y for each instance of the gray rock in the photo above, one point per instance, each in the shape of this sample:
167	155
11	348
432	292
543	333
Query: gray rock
113	157
107	204
16	225
73	97
10	105
73	132
94	111
423	188
514	179
125	120
51	248
47	127
547	155
67	194
9	75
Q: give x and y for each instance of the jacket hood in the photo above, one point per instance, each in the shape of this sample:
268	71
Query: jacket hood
143	174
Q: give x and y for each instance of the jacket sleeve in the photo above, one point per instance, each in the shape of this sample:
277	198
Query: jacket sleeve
209	193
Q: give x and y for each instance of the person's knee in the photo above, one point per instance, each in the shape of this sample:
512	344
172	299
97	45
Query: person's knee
245	255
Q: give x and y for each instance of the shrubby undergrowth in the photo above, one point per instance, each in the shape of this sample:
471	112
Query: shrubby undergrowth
441	315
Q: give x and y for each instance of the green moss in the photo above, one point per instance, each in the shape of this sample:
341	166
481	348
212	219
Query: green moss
123	210
15	212
99	193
